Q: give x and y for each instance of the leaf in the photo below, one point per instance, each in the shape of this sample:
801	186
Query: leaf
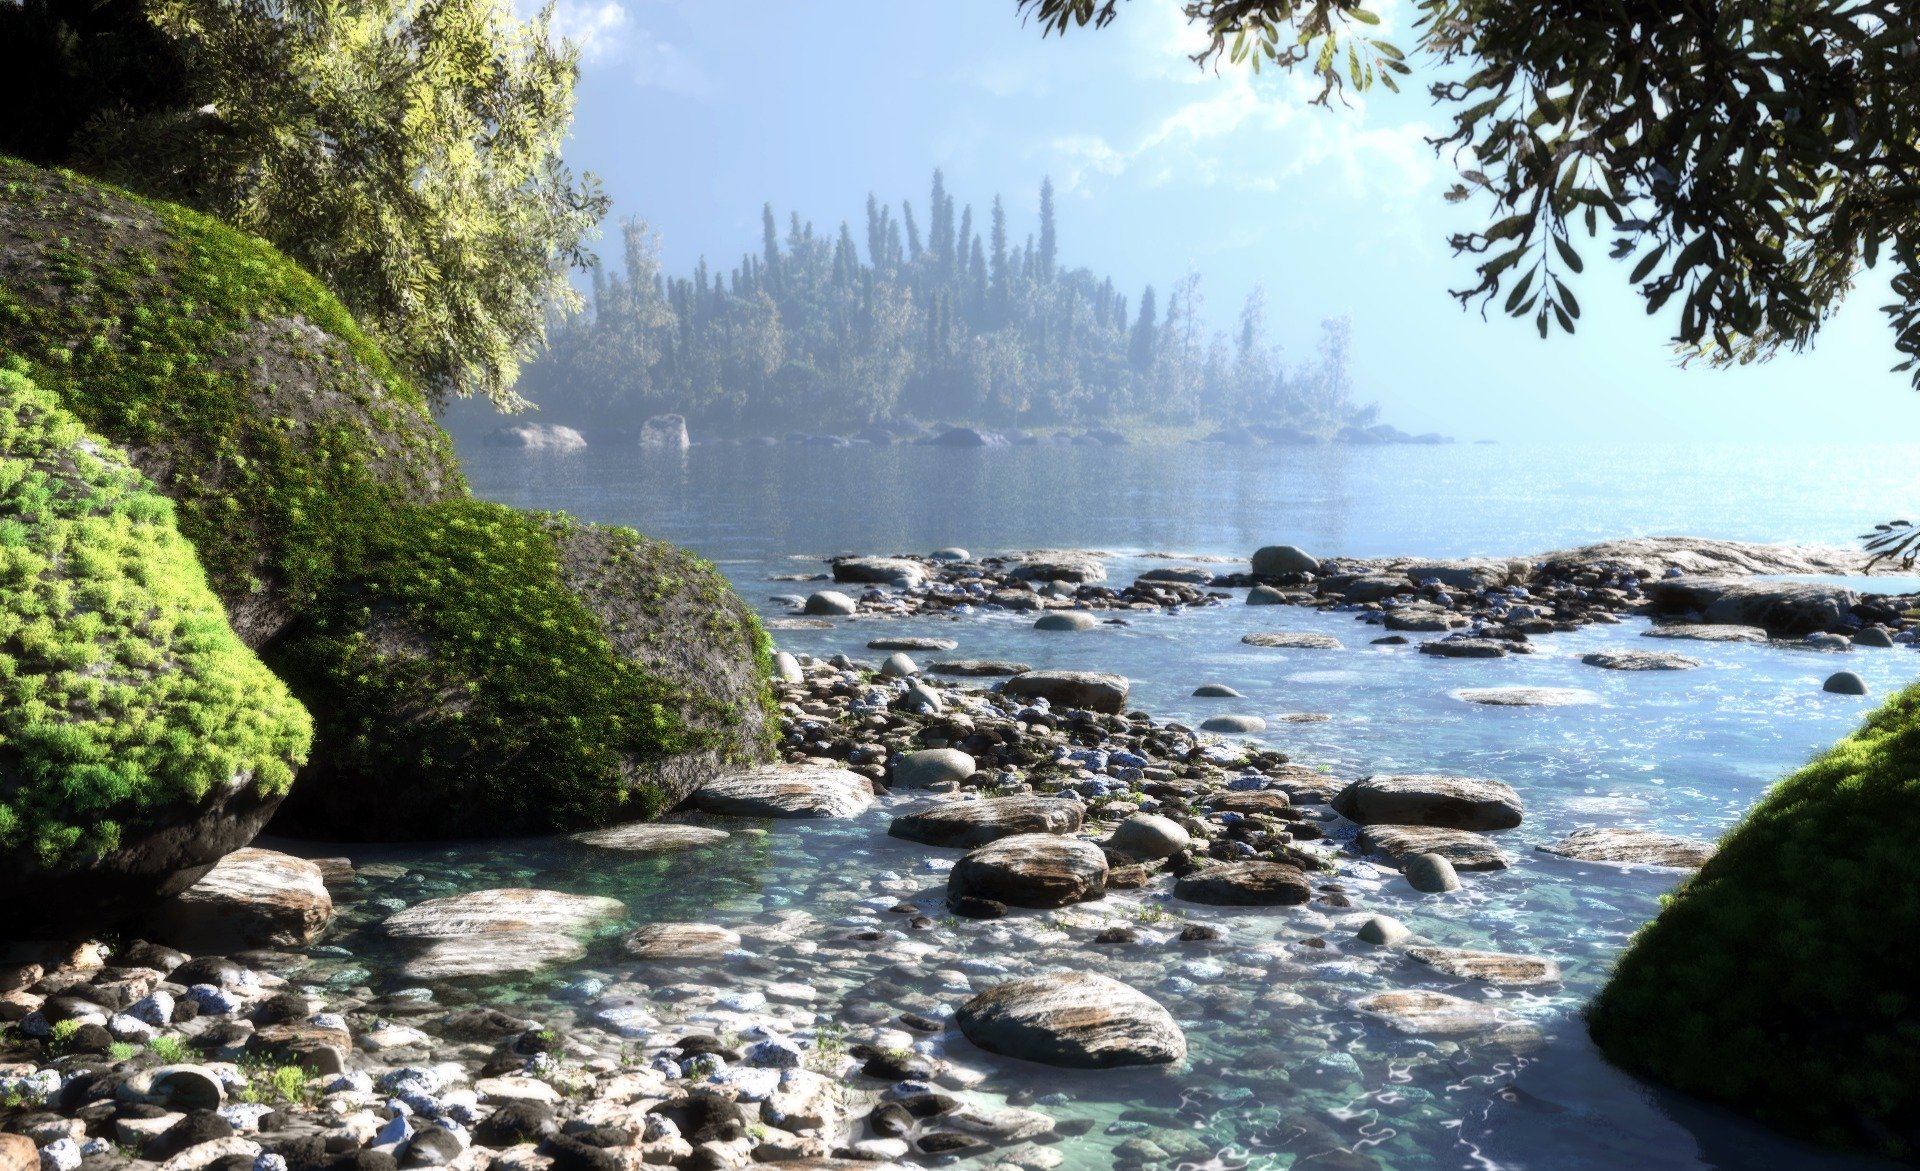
1567	253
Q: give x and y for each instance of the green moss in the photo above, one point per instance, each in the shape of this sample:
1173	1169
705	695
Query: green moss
1780	979
124	694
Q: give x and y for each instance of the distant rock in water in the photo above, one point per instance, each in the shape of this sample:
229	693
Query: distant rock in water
536	437
664	432
1779	607
1704	557
966	437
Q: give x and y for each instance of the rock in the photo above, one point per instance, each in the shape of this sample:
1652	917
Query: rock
1639	661
1092	690
1066	620
895	571
209	1153
1490	967
251	898
1076	1020
1031	870
1431	1013
642	837
1246	884
1465	648
1701	633
787	791
1189	575
1146	837
975	823
786	668
536	437
932	767
1059	565
1460	575
493	932
1845	683
978	667
319	1050
1270	802
1780	607
180	1087
1265	596
1430	874
1277	560
17	1153
831	603
1464	849
912	644
898	666
664	432
1873	636
515	1122
1293	640
1216	691
679	941
951	553
1234	725
1424	620
966	437
1432	800
432	1146
1633	847
1527	696
1653	556
1383	931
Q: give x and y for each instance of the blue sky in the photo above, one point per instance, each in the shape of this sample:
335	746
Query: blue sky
694	113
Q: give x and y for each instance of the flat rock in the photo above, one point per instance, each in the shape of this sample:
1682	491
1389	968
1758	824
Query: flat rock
1293	640
968	824
1431	1013
679	941
1431	800
1094	690
1424	619
879	571
1491	967
1031	870
1782	607
1076	1020
787	791
798	624
1701	633
1058	565
1633	847
1527	696
1245	884
1465	849
494	932
1272	802
251	898
1465	648
1461	575
912	644
1066	620
643	837
1639	661
978	667
1234	725
1705	556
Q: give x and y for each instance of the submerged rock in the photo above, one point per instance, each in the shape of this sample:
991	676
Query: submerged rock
1216	691
679	941
1463	849
1429	799
493	932
1701	633
976	823
1432	1013
1066	620
1245	884
787	791
1845	683
652	837
1465	648
1078	1020
1490	967
1636	847
1527	696
1234	725
1293	640
1031	870
1639	661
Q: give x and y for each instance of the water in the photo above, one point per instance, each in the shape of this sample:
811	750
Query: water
1282	1067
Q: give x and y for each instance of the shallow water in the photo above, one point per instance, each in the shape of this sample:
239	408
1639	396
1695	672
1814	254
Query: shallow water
1281	1065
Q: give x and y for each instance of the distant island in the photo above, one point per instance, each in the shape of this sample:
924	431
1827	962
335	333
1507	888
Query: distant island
816	339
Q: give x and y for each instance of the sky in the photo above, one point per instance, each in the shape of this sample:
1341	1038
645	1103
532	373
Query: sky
694	113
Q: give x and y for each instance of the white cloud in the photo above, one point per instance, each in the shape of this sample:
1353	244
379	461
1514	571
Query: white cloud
593	27
661	64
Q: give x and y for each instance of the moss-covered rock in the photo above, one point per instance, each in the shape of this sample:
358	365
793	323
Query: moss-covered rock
140	740
1780	979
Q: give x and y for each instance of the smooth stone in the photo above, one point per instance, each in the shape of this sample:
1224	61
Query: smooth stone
786	791
1031	870
1431	874
1639	661
978	667
1066	620
1275	560
1491	967
952	553
1075	1020
1432	800
1704	633
831	603
1424	620
896	571
911	644
251	898
679	941
1235	725
1293	640
1431	1013
1784	607
1633	847
969	824
1527	696
1216	691
930	767
1383	931
1146	837
494	932
492	955
899	666
1464	648
786	668
643	837
1187	575
1873	636
1272	802
1094	690
1245	884
1265	596
1465	849
1845	683
1059	565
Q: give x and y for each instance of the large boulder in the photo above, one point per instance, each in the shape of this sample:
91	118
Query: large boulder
1703	557
1779	979
793	790
1428	799
1078	1020
140	740
251	898
1093	690
1245	884
1275	560
1031	870
497	932
1779	607
975	823
897	571
1070	565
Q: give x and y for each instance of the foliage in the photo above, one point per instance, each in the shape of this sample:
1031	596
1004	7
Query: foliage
124	694
1779	979
169	1049
806	333
407	152
1747	158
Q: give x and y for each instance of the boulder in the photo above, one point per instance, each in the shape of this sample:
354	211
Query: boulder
1234	725
1059	565
1490	967
251	898
1265	595
1422	619
1651	557
536	437
1700	633
1432	800
931	767
1093	690
679	941
1031	870
1779	607
1460	575
1639	661
978	668
497	932
1147	837
1292	640
1873	636
951	553
968	824
1066	620
899	666
1527	696
895	571
786	791
1216	691
1245	884
664	433
911	644
786	668
1190	575
966	437
1463	849
1371	587
1465	648
831	603
1845	683
1076	1020
651	838
1278	560
1633	847
1432	1014
1383	931
1430	874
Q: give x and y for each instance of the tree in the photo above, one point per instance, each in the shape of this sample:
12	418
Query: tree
407	152
1748	158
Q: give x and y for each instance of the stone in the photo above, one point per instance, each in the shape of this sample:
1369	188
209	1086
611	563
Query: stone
679	941
967	437
1633	847
1527	696
1066	620
1873	636
1431	874
1234	725
911	644
180	1087
1093	690
1465	648
1489	967
1707	557
536	437
1146	837
664	433
1270	802
1059	565
1639	661
787	791
984	668
251	898
318	1050
1431	799
895	571
968	824
1464	849
1369	587
1423	619
207	1154
1031	870
1216	691
786	668
951	553
492	932
831	604
1779	607
17	1153
1383	931
1293	640
1245	884
1845	683
1075	1020
1471	575
899	666
1700	633
644	837
1431	1013
1277	560
1266	595
1186	574
932	767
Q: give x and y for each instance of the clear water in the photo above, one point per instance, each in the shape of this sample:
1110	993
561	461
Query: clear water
1281	1065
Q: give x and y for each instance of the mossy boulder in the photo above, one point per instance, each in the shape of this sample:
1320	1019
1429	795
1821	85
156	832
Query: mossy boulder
140	740
1780	979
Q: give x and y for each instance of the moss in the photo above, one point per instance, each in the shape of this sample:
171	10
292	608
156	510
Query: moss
1779	980
124	694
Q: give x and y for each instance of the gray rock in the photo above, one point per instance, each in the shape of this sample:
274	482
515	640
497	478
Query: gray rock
899	666
1701	633
1275	560
1093	690
952	553
1235	725
1461	575
1639	661
1527	696
665	433
1780	607
1265	596
1465	648
1424	619
786	791
1464	848
1059	565
1031	870
535	437
1293	640
786	668
1076	1020
1373	587
642	837
1432	1013
679	941
912	644
1873	636
1066	620
978	668
1822	641
1431	874
831	603
1146	837
930	767
1632	847
1187	574
494	932
251	898
1704	557
1489	967
968	824
1431	800
921	696
1383	931
1845	683
897	571
1245	884
1216	691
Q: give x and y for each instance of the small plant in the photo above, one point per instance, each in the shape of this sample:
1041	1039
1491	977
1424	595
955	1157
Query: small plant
170	1050
123	1051
829	1046
62	1038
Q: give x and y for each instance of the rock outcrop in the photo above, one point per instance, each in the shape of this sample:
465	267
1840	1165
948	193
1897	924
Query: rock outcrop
1078	1020
1778	607
251	898
968	824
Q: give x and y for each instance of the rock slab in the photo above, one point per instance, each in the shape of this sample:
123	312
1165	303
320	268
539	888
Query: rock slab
969	824
1031	870
787	791
1430	799
1633	847
251	898
1076	1020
